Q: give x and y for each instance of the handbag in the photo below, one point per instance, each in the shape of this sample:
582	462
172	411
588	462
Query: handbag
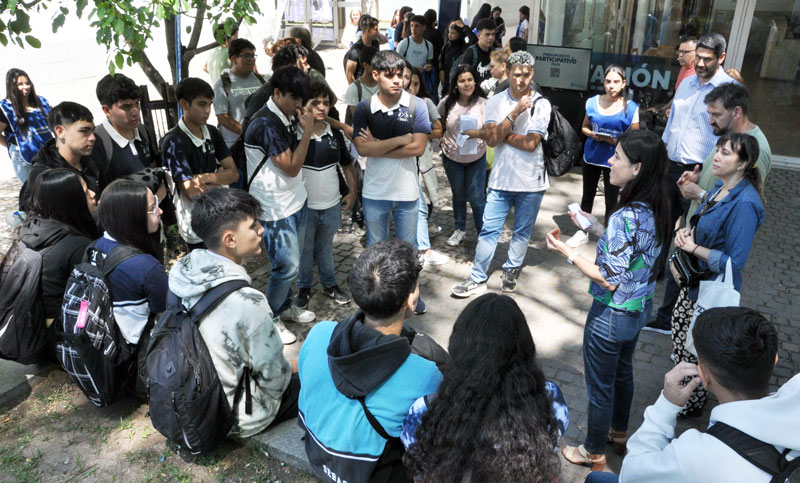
685	267
713	293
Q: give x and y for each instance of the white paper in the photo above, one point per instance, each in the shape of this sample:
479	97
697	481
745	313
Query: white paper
584	222
467	145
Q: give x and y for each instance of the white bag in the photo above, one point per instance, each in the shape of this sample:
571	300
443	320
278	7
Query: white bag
183	212
713	293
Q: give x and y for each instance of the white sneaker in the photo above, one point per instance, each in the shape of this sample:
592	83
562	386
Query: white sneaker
578	239
287	337
434	258
456	238
296	314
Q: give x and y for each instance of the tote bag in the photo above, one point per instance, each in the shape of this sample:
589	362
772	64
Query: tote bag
713	293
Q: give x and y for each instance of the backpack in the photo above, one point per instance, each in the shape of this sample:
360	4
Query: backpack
226	81
428	47
348	116
89	346
239	153
23	331
562	146
188	404
458	61
763	455
412	110
101	132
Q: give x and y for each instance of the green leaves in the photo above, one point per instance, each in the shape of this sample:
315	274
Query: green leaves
33	41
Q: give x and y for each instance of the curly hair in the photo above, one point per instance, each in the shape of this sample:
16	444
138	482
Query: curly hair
492	416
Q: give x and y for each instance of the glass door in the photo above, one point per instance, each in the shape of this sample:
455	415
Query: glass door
771	70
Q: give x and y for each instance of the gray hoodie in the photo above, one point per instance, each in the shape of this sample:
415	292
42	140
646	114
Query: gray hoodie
239	333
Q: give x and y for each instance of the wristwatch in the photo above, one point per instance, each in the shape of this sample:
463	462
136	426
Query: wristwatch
571	257
702	196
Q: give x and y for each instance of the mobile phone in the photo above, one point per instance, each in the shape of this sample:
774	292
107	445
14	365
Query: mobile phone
584	222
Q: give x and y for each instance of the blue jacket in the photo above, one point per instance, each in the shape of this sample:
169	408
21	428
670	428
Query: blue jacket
728	229
340	363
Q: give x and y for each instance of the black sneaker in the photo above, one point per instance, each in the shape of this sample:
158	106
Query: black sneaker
337	295
303	296
510	279
468	288
660	326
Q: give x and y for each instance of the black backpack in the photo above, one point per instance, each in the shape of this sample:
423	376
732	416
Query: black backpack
763	455
23	332
226	81
187	401
239	153
89	347
562	146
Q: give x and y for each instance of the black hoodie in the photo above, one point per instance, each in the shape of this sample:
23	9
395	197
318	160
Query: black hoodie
48	157
61	249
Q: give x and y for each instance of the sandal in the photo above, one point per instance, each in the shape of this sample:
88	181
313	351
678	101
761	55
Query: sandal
620	441
579	456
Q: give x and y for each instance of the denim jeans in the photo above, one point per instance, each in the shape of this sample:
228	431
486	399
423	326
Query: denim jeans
321	226
21	167
283	240
609	340
468	183
423	233
498	205
601	477
376	217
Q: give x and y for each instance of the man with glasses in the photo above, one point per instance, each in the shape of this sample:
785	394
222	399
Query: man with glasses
689	136
686	59
234	87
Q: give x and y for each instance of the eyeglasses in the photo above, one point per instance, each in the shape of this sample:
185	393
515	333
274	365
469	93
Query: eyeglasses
154	211
684	52
248	56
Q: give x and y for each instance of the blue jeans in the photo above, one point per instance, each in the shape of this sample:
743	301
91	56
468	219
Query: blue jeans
21	167
376	218
283	240
498	205
321	226
468	183
601	477
423	234
609	340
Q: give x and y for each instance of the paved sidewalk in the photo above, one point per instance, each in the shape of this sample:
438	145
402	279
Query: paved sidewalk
553	295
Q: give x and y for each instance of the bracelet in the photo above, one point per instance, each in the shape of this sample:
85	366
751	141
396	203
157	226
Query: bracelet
571	257
508	118
702	196
693	249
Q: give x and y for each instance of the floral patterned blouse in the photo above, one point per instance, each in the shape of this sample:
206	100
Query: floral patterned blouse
626	254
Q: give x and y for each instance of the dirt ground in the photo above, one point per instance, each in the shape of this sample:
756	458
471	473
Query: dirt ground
56	434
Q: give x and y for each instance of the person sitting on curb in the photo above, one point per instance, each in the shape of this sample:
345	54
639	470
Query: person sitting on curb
737	352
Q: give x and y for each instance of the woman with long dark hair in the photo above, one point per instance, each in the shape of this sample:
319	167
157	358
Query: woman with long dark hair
494	417
454	46
485	11
23	121
465	172
722	230
60	226
623	279
524	18
607	117
129	213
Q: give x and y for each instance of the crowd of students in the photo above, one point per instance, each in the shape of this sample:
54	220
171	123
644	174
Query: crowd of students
379	401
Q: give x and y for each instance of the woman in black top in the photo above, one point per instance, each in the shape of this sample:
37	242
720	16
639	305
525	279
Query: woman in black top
501	26
452	50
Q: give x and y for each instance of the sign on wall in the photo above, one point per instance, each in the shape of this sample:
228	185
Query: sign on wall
561	67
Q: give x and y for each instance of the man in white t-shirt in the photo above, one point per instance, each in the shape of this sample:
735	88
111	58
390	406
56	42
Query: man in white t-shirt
417	50
519	177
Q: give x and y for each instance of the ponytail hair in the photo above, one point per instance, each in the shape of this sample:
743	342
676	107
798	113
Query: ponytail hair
621	72
746	148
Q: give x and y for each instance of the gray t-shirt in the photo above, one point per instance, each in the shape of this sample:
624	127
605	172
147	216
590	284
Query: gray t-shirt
233	105
417	54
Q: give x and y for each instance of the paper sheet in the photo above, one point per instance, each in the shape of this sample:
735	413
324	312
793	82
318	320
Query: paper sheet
465	144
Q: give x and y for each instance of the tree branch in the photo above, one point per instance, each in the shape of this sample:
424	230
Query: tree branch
199	50
30	4
151	72
198	26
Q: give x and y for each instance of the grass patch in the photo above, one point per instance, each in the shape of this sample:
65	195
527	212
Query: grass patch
14	463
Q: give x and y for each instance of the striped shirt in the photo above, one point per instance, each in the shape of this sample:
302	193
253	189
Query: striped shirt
688	135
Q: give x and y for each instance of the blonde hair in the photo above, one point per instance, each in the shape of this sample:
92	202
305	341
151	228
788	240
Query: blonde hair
499	56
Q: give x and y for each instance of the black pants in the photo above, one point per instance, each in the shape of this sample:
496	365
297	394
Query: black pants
678	206
591	176
288	408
